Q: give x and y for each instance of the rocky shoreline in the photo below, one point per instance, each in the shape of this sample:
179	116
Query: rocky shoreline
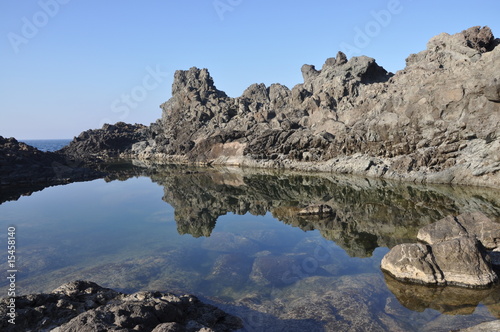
436	121
25	169
85	306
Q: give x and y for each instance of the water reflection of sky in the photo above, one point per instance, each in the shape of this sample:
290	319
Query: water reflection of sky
263	257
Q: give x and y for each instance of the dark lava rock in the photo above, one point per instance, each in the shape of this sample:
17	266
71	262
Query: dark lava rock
435	121
108	142
24	169
85	306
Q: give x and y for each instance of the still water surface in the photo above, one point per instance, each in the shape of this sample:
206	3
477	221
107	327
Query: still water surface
244	241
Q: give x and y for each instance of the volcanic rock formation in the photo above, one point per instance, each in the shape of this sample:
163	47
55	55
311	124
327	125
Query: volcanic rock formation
437	120
86	306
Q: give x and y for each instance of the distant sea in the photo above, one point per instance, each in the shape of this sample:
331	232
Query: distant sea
47	144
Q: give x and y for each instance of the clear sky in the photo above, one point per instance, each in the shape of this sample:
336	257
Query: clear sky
72	65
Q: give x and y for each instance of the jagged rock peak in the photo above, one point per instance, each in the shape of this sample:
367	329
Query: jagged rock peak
257	92
309	71
478	38
194	79
339	60
445	49
363	68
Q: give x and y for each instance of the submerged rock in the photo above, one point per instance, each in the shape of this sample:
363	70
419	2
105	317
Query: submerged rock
484	327
86	306
275	270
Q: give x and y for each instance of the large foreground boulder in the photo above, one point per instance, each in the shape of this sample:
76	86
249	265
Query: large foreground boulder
461	262
455	253
467	224
85	306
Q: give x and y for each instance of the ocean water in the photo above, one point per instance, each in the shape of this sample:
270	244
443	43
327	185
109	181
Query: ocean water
240	240
47	144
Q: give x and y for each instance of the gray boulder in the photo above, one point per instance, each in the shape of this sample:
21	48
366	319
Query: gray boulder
473	224
455	253
460	261
413	262
464	262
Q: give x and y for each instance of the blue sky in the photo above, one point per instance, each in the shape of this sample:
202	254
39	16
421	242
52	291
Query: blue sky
71	65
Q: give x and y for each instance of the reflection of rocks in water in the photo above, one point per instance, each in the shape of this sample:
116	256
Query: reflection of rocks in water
201	225
358	214
492	302
447	300
484	327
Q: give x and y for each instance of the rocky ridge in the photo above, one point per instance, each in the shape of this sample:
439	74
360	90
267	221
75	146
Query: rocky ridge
86	306
435	121
105	143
